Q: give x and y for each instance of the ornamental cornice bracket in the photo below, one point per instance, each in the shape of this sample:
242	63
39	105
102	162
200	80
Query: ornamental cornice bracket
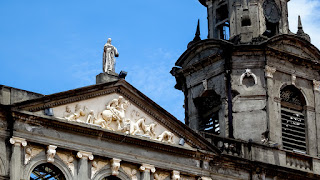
175	175
85	155
147	168
269	71
115	165
51	152
18	141
316	85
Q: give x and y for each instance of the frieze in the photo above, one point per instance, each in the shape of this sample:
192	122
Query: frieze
82	129
115	118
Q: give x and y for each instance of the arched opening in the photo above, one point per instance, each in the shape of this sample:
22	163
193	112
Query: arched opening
208	106
46	171
111	178
293	119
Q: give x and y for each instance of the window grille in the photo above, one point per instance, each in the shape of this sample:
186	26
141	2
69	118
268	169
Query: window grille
293	120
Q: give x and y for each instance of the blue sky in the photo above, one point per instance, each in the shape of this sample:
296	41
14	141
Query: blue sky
53	46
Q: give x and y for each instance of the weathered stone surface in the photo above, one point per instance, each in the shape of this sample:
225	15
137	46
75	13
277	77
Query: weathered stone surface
243	105
249	125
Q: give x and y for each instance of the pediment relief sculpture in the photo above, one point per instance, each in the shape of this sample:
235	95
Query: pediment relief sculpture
118	115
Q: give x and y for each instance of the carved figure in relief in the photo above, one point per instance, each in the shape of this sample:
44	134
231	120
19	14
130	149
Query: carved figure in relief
91	118
77	114
138	126
115	112
150	130
166	136
109	54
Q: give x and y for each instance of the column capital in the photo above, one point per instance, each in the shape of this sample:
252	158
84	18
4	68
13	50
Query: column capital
85	155
18	141
269	71
316	85
147	167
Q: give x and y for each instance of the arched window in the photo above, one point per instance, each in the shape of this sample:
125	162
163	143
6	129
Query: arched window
111	178
293	119
46	171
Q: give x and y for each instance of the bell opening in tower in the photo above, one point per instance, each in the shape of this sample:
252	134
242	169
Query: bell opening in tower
224	31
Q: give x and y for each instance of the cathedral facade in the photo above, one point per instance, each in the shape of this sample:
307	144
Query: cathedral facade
252	106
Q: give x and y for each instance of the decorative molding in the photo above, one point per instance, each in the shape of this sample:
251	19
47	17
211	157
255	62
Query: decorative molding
96	166
248	73
51	152
31	152
316	86
18	141
269	71
175	175
115	165
68	160
147	168
85	155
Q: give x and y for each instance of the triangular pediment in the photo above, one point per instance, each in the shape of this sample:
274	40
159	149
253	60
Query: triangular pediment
295	46
117	107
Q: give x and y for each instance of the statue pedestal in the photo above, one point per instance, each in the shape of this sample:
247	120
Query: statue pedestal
106	77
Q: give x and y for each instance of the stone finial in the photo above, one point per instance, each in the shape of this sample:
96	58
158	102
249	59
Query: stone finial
269	71
196	37
300	32
85	155
115	165
18	141
51	152
175	175
147	167
316	85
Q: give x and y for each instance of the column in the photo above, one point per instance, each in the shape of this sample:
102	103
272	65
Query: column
316	89
16	161
273	122
83	173
146	169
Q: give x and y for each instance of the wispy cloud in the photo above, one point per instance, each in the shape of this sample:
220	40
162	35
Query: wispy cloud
307	9
154	80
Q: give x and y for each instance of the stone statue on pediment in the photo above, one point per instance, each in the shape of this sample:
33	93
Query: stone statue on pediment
109	54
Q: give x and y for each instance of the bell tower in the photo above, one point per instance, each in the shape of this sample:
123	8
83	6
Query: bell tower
252	79
246	20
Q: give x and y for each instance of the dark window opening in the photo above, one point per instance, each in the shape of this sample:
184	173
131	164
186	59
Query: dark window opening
248	81
208	106
293	120
111	178
46	171
224	31
222	13
272	29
